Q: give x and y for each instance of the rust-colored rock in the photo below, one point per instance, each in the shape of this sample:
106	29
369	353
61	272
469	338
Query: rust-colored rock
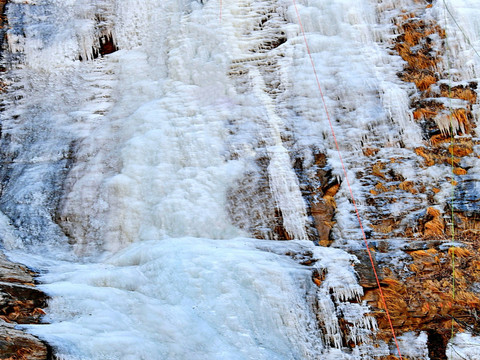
459	171
429	160
20	303
319	190
323	212
419	290
426	301
460	150
18	345
370	151
408	186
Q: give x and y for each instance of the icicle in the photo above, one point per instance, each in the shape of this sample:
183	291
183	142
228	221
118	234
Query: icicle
283	181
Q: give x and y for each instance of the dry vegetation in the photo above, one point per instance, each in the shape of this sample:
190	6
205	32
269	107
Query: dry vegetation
421	297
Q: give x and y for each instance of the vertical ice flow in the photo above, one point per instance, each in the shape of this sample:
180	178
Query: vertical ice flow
140	152
283	180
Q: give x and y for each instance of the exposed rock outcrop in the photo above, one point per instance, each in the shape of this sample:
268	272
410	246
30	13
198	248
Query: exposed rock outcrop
20	303
18	345
431	287
429	283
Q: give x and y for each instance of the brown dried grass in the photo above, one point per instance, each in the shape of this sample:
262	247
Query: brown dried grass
424	113
429	160
434	228
439	139
459	92
459	252
433	212
370	151
424	83
460	150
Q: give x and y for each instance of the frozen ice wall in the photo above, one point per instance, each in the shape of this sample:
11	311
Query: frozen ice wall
193	116
54	101
138	179
120	170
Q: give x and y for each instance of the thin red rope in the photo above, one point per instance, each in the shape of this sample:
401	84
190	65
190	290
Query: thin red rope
346	178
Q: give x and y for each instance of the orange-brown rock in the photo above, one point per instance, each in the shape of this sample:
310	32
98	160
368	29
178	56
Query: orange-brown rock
20	303
427	300
422	113
459	171
429	160
384	226
320	196
460	150
18	345
439	139
419	292
408	186
459	92
437	155
422	79
415	48
370	151
323	212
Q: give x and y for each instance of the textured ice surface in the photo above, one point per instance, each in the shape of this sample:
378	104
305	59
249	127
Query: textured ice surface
464	347
130	159
183	298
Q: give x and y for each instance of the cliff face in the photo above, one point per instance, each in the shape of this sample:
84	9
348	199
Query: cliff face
201	129
432	287
418	199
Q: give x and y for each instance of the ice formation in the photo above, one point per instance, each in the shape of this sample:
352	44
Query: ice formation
124	166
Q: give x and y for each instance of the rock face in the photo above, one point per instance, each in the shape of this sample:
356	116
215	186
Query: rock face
20	303
16	344
429	284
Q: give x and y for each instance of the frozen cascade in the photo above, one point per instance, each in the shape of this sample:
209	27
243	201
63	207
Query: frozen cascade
283	180
121	178
118	170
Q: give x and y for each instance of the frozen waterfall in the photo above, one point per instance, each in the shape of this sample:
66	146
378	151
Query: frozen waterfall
148	153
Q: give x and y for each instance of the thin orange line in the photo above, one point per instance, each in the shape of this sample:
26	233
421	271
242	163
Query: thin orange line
346	178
